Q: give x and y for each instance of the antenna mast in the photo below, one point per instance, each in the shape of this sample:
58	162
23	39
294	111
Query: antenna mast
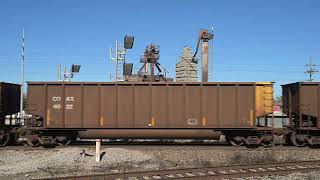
311	70
22	74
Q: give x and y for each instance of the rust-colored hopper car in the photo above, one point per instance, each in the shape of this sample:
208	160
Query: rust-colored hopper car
301	102
9	104
67	110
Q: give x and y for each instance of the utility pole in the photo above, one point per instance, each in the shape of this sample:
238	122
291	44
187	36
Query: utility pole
311	70
22	74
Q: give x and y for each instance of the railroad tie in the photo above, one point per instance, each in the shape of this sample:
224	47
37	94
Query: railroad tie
179	175
201	174
211	172
190	174
156	177
170	176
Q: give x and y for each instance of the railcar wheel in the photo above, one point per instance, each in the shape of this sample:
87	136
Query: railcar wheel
33	140
4	137
64	140
17	139
235	140
297	141
267	143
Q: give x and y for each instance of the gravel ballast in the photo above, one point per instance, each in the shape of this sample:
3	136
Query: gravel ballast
59	162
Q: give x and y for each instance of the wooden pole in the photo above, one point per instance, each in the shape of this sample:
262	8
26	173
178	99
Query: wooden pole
98	149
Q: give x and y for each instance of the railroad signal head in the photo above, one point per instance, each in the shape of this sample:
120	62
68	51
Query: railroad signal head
128	42
127	69
75	68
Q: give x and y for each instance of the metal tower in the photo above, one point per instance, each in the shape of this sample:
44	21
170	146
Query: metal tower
311	70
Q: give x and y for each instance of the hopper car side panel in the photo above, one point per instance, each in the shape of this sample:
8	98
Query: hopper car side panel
309	100
37	100
73	117
9	107
159	105
149	105
301	103
9	100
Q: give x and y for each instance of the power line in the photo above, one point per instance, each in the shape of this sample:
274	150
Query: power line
311	70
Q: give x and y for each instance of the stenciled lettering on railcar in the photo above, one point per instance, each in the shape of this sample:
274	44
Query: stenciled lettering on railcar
56	98
56	106
192	121
70	98
68	106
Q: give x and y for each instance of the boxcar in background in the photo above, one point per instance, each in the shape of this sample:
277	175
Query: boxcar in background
153	110
301	102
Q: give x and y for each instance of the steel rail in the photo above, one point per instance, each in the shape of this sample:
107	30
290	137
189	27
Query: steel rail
175	146
236	171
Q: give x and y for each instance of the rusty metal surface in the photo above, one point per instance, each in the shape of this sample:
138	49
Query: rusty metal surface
149	105
9	99
301	101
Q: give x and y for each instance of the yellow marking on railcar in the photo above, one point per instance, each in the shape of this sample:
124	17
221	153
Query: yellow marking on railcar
204	121
264	99
101	121
48	117
153	121
251	118
268	100
259	100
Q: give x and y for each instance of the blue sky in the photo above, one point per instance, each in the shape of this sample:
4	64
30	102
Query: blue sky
255	40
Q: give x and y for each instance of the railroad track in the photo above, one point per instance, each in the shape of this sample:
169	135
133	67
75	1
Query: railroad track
153	146
222	172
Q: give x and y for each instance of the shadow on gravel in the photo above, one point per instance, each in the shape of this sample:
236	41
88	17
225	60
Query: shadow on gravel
102	155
